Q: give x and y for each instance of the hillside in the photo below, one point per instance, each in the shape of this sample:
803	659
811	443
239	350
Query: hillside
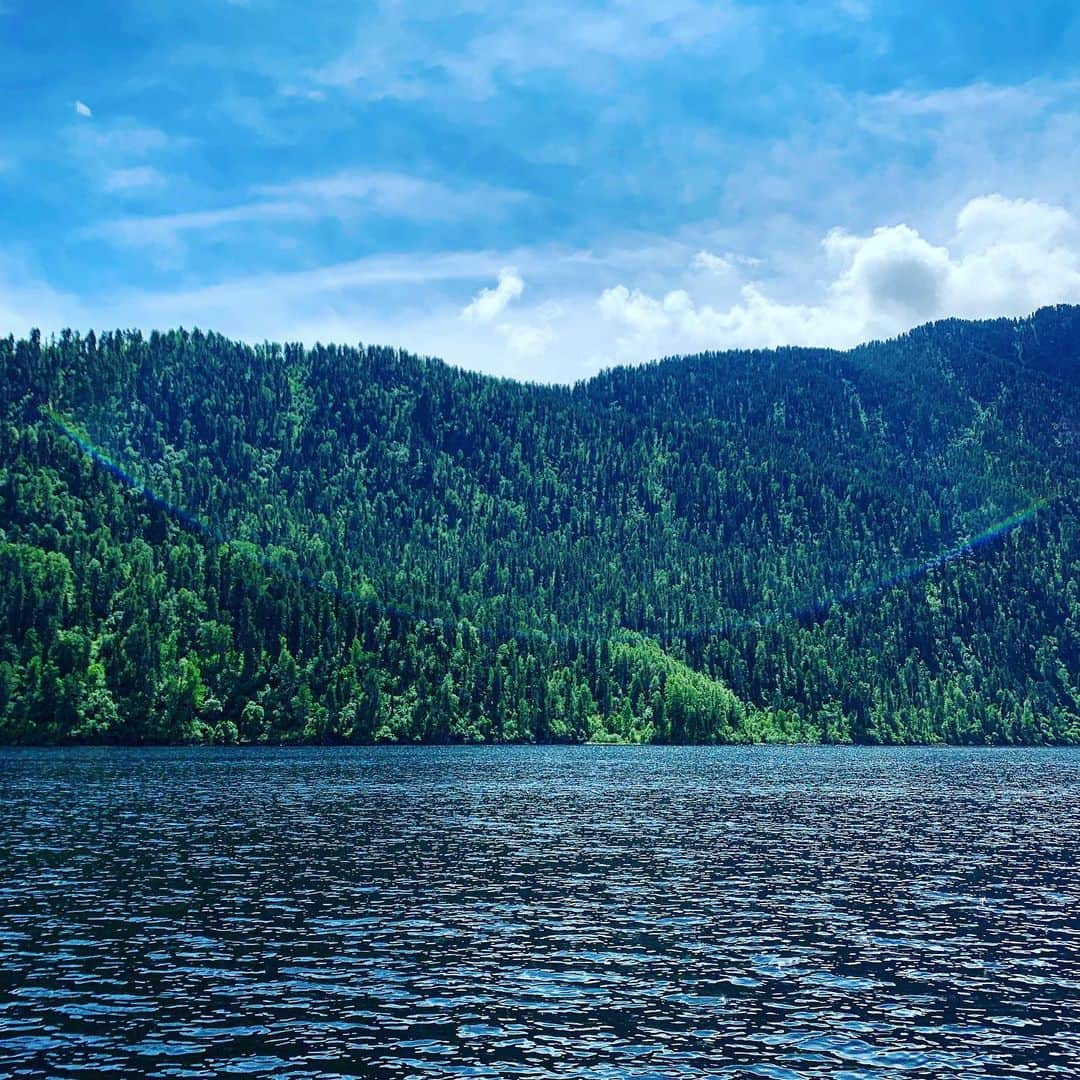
200	540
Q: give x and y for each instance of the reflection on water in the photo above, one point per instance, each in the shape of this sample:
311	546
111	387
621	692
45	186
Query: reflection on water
526	912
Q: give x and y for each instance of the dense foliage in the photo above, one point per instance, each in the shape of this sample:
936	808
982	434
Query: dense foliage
200	540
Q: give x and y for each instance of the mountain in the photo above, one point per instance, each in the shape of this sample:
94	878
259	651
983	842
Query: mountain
205	541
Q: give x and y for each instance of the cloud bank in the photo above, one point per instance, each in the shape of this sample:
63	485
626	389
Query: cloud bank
488	304
587	309
1005	257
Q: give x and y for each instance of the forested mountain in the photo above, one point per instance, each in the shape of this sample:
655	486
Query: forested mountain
200	540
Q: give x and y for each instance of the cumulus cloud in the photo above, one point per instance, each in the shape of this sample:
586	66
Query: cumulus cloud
488	304
83	109
635	309
993	220
893	273
1007	257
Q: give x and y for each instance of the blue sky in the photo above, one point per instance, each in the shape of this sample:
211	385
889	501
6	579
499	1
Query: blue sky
539	190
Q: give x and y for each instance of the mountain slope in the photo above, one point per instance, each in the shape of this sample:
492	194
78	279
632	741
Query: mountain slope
205	540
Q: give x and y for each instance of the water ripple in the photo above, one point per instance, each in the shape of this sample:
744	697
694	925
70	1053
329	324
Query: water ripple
532	912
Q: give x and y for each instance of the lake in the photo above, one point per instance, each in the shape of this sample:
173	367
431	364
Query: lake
540	912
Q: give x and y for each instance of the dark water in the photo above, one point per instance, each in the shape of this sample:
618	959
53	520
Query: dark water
540	912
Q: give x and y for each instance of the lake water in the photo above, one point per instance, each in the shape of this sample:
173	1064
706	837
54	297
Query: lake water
528	912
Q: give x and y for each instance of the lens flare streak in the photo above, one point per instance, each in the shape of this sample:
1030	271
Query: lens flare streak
728	626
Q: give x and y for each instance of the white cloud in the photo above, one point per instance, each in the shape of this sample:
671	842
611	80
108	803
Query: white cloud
973	97
856	9
991	220
328	303
398	194
133	177
347	196
893	273
122	139
709	263
83	109
488	304
304	94
723	265
119	155
1015	255
586	309
525	341
639	312
1008	257
409	58
26	301
164	234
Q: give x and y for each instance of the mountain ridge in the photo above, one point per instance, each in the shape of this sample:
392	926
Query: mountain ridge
663	544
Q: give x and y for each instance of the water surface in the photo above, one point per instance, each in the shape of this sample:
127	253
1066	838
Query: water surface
528	912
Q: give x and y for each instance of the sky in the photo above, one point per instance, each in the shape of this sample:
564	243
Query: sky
537	191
